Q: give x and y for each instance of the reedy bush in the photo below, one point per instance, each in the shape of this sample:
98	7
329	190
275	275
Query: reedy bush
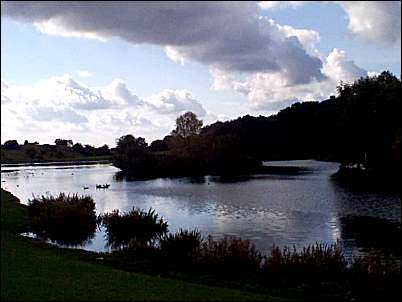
319	262
230	254
133	229
179	249
65	219
376	277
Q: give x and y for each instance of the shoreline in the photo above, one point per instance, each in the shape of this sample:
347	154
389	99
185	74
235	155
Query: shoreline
58	163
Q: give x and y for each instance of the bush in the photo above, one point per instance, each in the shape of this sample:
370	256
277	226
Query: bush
376	277
230	254
64	219
317	262
133	229
179	249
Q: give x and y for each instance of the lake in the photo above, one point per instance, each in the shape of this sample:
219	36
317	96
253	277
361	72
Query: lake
298	209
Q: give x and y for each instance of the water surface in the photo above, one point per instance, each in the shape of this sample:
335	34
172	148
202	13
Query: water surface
280	210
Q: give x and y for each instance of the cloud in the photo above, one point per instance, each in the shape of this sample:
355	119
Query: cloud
223	35
280	4
84	73
60	106
4	98
375	21
175	102
307	37
271	92
64	90
339	68
44	113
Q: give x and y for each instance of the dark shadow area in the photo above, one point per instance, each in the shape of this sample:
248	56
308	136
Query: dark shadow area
373	233
359	180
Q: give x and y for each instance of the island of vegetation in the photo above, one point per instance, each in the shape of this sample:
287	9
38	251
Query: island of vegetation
359	128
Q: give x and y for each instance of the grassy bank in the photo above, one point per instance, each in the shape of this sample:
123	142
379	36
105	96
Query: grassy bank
35	271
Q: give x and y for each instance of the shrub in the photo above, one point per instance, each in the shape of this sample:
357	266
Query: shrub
376	277
133	229
317	262
64	219
230	254
179	249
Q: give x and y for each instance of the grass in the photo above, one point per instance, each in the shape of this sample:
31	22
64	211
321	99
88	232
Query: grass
36	271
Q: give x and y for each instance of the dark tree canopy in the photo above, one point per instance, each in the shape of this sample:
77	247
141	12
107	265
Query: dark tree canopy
11	145
104	150
77	147
187	124
129	141
63	142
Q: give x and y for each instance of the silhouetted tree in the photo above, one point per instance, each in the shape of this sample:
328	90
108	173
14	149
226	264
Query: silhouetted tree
31	152
131	154
63	142
89	150
77	147
11	145
187	124
104	150
158	146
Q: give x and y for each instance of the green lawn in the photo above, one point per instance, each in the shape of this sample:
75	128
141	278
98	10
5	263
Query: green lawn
32	271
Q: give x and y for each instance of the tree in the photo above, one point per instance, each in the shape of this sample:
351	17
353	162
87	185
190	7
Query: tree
187	124
26	142
104	150
31	152
64	142
77	147
129	141
158	146
11	145
131	154
89	150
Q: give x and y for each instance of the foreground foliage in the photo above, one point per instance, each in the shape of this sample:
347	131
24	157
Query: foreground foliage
133	229
315	272
64	219
39	272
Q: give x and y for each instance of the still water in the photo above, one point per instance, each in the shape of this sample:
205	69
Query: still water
269	210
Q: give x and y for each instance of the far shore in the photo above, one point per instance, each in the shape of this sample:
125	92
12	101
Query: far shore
59	163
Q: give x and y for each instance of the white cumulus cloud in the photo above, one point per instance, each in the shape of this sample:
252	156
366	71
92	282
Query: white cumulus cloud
375	21
271	92
63	107
175	102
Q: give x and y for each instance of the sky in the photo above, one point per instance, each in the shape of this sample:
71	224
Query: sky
94	71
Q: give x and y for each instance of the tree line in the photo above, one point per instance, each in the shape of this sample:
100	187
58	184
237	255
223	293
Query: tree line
359	126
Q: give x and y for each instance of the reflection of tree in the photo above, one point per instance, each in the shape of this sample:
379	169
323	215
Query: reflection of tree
370	232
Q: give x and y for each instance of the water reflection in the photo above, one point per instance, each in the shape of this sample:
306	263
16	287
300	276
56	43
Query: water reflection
371	232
